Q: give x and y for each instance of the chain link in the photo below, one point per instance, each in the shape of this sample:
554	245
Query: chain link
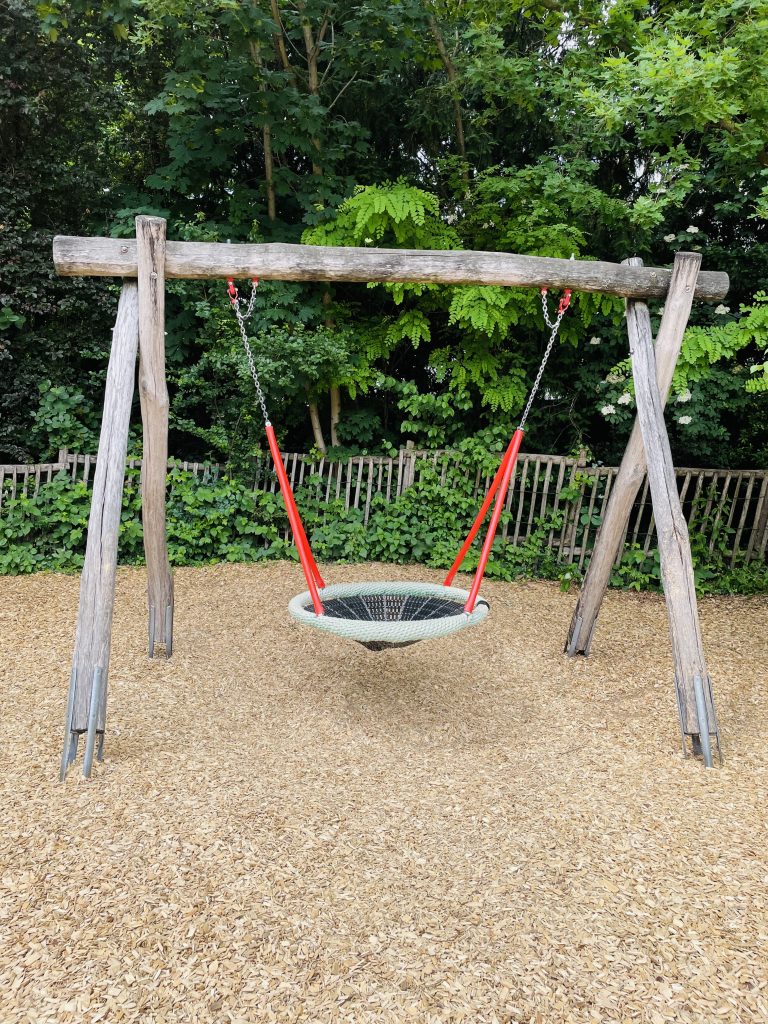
242	318
554	326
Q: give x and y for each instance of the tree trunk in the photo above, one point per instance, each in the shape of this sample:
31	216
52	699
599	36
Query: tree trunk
279	39
266	136
335	413
312	46
317	429
269	173
453	84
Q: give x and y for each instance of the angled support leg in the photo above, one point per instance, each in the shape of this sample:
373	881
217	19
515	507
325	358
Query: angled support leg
631	473
696	707
87	698
150	248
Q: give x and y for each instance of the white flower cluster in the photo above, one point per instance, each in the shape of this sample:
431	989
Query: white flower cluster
595	341
625	399
684	396
608	410
614	378
683	420
669	238
692	229
721	310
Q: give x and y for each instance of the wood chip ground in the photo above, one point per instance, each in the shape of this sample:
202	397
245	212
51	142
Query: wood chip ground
290	828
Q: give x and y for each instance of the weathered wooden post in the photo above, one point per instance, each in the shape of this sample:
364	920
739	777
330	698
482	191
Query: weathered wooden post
87	699
153	392
677	308
693	686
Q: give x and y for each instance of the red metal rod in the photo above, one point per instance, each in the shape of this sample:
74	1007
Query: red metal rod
302	544
315	571
285	488
276	455
517	439
510	453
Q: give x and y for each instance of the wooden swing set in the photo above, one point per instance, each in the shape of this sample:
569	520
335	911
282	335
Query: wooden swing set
145	262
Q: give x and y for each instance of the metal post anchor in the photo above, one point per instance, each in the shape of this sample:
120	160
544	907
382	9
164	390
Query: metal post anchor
69	750
93	721
701	715
168	630
151	631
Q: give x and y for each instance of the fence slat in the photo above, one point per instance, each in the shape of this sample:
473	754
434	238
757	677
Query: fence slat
558	488
521	502
574	530
349	484
368	493
754	533
359	481
588	524
719	510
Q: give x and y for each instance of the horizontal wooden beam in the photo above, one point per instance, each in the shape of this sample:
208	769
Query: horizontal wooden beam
272	261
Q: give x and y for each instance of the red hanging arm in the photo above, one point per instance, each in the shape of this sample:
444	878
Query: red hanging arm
501	481
517	440
308	564
510	453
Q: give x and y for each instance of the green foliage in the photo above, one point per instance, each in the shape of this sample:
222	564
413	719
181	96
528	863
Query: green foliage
45	532
637	570
430	419
703	347
599	130
208	521
224	519
396	214
10	319
63	419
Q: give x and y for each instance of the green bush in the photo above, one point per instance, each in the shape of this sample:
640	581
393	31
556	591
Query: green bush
224	520
208	521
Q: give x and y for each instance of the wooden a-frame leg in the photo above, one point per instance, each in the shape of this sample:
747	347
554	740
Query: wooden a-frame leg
87	699
631	473
150	247
694	690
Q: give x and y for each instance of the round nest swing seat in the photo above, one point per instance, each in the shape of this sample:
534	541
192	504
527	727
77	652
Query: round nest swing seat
386	615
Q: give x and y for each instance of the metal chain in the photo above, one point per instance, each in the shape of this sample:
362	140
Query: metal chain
242	317
554	326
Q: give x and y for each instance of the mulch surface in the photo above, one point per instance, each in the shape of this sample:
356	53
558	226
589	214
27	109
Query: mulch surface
288	827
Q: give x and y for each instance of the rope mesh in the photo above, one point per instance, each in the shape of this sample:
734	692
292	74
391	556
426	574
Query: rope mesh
392	607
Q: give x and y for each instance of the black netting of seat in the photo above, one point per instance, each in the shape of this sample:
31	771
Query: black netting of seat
392	607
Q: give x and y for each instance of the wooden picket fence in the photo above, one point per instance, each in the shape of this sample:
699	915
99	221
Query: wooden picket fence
726	508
